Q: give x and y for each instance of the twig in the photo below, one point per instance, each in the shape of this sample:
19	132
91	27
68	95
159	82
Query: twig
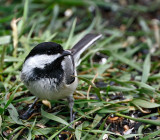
91	86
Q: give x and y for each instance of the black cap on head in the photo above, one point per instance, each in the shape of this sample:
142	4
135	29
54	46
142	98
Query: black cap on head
49	48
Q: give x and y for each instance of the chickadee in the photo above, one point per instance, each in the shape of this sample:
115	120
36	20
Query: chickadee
49	72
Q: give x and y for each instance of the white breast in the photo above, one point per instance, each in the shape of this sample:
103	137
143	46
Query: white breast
46	89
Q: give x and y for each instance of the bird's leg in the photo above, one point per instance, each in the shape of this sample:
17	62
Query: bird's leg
71	103
30	110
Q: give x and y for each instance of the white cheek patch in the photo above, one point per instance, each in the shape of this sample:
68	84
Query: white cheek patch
38	61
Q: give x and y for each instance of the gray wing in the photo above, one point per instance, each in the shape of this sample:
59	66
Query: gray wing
83	44
69	70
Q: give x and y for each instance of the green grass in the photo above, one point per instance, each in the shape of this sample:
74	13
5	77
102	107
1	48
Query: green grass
127	83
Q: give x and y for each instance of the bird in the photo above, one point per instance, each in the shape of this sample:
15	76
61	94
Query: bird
49	72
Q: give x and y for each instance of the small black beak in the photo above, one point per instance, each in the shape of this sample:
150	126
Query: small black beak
65	53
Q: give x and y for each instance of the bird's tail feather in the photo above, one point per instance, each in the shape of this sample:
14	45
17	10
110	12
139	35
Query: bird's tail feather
83	44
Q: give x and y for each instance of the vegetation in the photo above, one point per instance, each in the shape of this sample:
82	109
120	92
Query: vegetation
118	96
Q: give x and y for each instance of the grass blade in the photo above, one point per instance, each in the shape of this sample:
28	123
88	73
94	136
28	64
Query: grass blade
53	117
150	136
146	69
147	121
70	35
127	61
78	132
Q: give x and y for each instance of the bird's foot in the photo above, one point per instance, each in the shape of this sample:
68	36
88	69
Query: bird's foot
29	112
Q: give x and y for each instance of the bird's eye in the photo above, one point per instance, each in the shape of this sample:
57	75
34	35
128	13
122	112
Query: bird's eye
49	52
